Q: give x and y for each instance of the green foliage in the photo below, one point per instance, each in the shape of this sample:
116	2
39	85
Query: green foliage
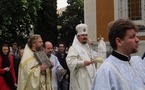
47	21
17	18
73	15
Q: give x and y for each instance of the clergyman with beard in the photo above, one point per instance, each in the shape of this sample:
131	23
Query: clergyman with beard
30	76
79	57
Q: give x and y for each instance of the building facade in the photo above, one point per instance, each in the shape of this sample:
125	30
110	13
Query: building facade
98	13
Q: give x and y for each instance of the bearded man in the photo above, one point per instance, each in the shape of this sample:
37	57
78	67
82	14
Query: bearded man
30	75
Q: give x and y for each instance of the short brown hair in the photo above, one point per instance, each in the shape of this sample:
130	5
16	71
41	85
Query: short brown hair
119	29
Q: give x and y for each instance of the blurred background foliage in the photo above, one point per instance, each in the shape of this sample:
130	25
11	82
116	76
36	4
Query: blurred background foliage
21	18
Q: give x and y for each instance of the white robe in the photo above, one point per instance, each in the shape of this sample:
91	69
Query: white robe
115	74
101	50
30	76
55	77
139	64
81	76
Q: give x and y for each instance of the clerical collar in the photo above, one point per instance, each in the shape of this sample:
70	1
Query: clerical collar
120	56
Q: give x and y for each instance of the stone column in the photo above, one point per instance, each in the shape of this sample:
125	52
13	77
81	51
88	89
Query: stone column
90	18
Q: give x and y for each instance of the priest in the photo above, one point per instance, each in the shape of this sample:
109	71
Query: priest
79	60
121	71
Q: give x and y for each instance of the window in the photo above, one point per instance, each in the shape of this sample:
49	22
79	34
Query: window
134	9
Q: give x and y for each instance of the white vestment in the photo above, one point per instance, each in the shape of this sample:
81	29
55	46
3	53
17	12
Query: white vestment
81	76
55	77
30	76
139	64
115	74
101	50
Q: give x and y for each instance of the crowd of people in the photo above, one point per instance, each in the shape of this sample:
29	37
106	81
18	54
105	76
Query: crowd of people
37	66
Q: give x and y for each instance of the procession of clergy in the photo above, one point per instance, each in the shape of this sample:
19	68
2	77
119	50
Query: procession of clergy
40	69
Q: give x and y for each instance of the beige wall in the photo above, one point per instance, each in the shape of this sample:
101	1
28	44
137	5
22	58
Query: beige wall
90	18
